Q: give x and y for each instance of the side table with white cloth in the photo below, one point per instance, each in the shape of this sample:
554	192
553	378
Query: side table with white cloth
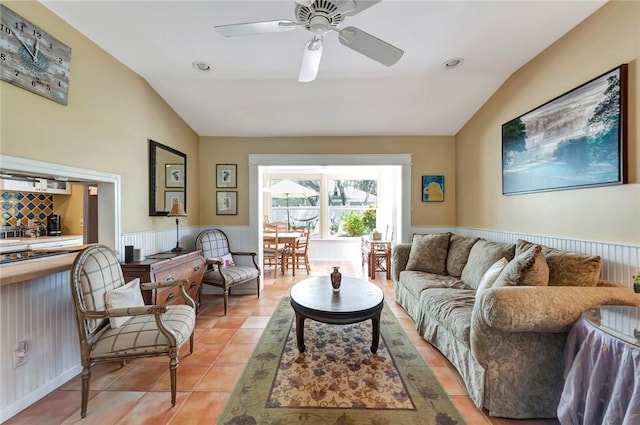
602	368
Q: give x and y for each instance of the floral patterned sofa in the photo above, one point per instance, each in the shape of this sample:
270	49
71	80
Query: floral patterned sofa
500	313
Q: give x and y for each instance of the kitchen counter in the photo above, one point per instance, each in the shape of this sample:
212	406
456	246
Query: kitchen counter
26	244
24	270
21	271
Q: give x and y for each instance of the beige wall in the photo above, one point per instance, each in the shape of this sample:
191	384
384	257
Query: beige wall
430	155
608	38
112	112
70	209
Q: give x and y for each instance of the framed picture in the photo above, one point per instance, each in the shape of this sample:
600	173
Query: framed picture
432	188
226	202
573	141
226	175
174	175
171	197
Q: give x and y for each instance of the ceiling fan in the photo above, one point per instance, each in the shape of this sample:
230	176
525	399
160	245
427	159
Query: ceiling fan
321	17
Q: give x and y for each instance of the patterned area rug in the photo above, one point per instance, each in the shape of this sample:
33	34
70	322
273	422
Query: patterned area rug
337	380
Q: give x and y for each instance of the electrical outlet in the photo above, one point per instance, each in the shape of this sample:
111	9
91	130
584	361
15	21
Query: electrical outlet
21	355
81	223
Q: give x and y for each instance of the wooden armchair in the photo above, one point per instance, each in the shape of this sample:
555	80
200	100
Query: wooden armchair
222	270
108	332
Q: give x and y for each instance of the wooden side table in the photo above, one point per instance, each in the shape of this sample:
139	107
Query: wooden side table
164	266
377	255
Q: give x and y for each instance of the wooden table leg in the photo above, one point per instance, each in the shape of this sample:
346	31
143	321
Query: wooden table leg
375	325
372	265
388	264
300	332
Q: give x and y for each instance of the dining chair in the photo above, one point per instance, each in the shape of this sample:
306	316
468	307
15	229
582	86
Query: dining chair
113	322
272	250
222	269
301	251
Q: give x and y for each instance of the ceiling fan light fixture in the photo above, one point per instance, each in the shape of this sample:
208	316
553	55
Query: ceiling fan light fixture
319	25
201	66
453	63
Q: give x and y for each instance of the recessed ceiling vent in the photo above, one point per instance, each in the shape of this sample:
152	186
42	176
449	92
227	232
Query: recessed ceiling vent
325	8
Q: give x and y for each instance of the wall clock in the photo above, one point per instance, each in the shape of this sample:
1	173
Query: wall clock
32	59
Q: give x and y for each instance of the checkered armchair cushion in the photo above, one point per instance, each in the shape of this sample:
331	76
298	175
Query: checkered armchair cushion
213	243
150	331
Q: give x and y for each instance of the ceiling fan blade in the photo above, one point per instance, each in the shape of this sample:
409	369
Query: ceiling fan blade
370	46
249	28
310	60
353	7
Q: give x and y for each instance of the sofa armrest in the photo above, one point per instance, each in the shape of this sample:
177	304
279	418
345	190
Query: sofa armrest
399	259
543	308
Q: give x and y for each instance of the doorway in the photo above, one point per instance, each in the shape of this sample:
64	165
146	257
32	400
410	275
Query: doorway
399	193
90	214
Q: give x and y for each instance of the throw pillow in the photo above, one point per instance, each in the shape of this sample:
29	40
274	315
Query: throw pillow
226	260
429	253
483	254
490	276
459	248
527	269
568	268
127	295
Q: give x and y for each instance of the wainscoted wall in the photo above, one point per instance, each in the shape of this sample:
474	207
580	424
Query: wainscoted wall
619	262
40	311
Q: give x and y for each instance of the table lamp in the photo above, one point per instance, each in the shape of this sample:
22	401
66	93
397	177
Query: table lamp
177	211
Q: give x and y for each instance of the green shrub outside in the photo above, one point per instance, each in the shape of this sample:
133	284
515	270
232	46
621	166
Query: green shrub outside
358	223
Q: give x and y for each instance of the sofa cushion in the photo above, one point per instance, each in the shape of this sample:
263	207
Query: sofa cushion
416	282
451	308
489	277
429	253
484	254
568	268
459	248
529	268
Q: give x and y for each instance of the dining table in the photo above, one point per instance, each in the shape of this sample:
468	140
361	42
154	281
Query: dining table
288	240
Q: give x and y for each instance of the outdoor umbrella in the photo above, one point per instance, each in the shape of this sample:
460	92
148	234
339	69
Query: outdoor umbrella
289	189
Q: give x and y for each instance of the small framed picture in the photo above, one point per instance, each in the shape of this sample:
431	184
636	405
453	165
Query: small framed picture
226	202
226	175
173	197
174	175
432	188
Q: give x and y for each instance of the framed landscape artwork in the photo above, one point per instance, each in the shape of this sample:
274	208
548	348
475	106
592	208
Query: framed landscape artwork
573	141
432	188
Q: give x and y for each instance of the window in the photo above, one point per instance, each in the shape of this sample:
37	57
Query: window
334	202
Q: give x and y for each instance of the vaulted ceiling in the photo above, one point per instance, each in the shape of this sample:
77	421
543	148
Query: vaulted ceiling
252	87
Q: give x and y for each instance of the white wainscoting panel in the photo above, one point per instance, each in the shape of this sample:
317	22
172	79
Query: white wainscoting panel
619	262
40	312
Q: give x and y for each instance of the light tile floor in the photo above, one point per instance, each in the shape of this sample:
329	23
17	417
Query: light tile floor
139	392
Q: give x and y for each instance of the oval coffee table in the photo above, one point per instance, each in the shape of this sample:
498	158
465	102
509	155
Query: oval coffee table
357	301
